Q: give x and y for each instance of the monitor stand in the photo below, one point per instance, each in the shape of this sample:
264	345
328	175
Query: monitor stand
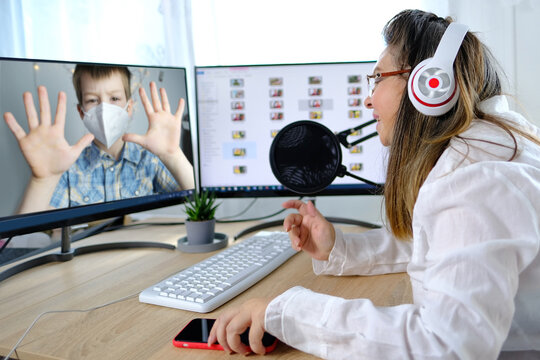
335	220
66	253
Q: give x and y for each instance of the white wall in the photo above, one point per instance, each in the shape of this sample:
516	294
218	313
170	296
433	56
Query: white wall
510	29
527	54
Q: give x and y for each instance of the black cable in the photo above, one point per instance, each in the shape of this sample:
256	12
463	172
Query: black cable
241	212
257	218
124	226
252	219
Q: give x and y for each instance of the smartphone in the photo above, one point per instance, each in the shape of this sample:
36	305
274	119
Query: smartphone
195	336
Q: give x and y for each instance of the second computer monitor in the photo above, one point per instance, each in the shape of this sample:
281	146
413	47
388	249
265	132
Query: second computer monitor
240	109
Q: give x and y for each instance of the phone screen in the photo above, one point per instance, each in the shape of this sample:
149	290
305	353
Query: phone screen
195	335
196	331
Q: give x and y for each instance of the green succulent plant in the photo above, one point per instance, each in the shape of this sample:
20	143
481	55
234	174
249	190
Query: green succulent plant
201	207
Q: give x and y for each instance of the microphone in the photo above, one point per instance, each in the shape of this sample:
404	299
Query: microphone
305	156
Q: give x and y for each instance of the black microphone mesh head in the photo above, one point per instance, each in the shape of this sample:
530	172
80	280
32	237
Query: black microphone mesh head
305	157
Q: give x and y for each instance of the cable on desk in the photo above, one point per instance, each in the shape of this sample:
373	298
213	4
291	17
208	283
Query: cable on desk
14	349
252	219
135	224
241	212
257	218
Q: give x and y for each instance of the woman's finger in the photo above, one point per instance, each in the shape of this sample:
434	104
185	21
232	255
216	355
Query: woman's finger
293	204
221	335
299	240
292	220
221	330
256	333
311	209
212	337
235	328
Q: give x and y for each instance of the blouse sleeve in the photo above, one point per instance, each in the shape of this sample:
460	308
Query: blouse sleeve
476	231
370	253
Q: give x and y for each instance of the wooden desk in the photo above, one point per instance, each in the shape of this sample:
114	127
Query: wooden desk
134	330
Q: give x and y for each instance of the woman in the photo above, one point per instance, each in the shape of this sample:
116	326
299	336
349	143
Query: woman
461	199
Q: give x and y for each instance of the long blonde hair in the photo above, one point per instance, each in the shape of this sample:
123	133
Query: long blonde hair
419	140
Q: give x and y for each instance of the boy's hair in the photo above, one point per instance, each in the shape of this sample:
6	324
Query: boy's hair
100	72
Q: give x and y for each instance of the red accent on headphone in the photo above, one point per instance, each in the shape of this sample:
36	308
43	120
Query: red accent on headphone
425	103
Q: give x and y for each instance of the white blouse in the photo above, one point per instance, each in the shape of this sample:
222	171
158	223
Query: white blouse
474	263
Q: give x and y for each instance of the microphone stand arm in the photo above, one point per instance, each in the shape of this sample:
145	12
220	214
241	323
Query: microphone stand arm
342	171
362	139
342	135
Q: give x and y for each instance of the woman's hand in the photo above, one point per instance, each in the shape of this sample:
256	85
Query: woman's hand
309	230
231	323
44	147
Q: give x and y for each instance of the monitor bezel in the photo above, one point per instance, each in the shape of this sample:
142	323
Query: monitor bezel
275	191
21	224
58	218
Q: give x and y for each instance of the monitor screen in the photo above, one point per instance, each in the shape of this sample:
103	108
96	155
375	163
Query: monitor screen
240	109
138	180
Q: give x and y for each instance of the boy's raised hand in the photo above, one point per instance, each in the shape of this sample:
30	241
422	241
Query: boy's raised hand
44	146
163	135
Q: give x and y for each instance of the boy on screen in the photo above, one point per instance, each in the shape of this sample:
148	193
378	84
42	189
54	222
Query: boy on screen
107	164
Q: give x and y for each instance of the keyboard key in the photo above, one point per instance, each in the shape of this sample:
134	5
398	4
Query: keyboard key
203	298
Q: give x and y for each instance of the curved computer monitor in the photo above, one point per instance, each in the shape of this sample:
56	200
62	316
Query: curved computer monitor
240	109
21	75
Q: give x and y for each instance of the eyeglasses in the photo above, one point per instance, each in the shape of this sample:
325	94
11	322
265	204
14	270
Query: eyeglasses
378	77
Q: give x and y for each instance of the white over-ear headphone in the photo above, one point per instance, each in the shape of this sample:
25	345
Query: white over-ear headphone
432	85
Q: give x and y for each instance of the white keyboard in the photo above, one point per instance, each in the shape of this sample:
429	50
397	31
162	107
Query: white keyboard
212	282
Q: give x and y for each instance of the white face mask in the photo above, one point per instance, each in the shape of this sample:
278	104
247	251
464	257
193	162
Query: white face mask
107	122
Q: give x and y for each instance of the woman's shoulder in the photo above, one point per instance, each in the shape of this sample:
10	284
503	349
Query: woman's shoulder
486	142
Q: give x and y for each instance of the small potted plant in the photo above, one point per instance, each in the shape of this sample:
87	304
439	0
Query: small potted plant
200	222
